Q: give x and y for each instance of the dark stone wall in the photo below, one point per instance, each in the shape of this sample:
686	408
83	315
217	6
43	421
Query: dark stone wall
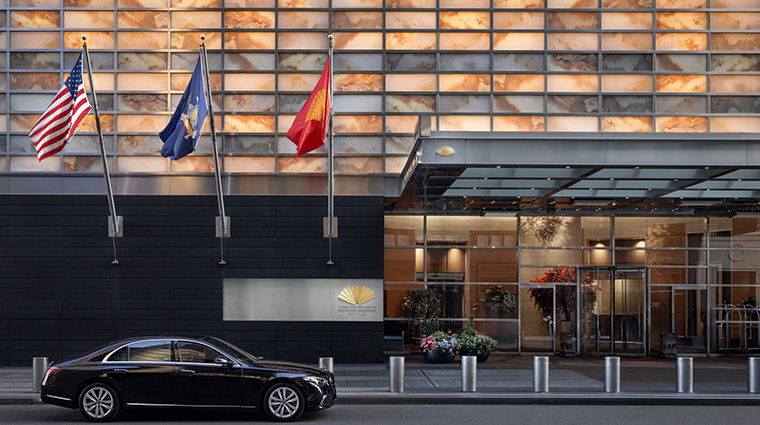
60	295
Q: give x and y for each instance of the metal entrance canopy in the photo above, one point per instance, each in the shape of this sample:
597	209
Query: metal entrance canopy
565	173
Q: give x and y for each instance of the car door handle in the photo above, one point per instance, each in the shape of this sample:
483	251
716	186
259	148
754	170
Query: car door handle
121	370
187	371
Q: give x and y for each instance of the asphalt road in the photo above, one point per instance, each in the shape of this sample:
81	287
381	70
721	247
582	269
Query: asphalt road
415	414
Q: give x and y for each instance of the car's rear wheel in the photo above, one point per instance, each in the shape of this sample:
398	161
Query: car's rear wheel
99	403
283	402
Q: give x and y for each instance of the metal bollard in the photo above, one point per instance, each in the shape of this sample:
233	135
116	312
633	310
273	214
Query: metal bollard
326	363
685	371
541	374
397	374
39	367
469	374
612	374
753	375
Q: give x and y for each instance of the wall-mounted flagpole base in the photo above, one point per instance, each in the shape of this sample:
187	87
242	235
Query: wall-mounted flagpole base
326	230
227	228
119	224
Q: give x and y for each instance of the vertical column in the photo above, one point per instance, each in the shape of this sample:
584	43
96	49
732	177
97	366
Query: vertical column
753	375
612	374
685	371
39	367
541	374
397	374
326	363
469	374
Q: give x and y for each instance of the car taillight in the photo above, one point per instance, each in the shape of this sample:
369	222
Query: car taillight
48	373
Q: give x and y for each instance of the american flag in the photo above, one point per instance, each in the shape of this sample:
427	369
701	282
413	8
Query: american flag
61	119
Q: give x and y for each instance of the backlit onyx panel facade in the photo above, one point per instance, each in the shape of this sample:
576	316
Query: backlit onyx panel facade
60	295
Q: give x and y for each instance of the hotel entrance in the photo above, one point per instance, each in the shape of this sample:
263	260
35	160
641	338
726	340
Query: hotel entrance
614	318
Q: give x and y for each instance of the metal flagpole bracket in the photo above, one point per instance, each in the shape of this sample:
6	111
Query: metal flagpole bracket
219	232
326	227
119	224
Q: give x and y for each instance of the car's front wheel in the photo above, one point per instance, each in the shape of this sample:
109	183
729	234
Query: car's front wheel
99	403
283	402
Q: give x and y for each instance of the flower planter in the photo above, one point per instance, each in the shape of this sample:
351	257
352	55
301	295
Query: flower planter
481	357
438	357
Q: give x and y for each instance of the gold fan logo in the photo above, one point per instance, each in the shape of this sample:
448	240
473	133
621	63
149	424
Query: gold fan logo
357	295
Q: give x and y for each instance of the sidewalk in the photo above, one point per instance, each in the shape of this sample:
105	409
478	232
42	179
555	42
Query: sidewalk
505	379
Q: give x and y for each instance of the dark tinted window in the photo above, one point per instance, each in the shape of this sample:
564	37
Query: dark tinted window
192	352
121	355
149	351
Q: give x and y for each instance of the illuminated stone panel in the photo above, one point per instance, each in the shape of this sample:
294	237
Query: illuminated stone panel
688	63
303	20
571	4
465	41
249	123
249	40
146	40
684	4
568	20
626	21
734	21
465	82
464	4
681	20
247	19
627	83
465	20
518	104
140	19
572	41
265	82
249	164
410	41
518	41
358	82
34	19
517	4
410	4
184	19
574	124
464	122
626	41
306	40
627	124
518	83
410	82
518	123
572	83
681	124
681	83
573	62
734	83
362	165
681	41
87	19
735	124
347	124
733	41
360	20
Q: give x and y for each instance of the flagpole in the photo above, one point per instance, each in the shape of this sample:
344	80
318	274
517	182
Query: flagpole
330	162
217	173
111	204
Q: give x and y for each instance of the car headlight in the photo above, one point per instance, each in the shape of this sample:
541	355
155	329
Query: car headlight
317	381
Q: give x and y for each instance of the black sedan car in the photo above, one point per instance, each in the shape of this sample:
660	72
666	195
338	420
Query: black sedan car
179	371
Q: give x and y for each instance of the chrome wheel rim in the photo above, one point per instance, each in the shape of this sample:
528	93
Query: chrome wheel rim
98	402
284	402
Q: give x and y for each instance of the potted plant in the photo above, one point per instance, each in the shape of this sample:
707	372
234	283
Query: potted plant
476	344
422	308
440	347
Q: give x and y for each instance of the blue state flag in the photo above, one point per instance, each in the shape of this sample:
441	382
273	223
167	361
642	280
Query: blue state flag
183	131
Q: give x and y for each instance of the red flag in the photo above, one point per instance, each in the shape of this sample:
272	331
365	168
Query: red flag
310	126
61	119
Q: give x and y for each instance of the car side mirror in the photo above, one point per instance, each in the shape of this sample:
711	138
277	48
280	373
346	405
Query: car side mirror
222	361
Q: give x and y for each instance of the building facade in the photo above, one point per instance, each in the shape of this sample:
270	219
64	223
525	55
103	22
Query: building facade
658	232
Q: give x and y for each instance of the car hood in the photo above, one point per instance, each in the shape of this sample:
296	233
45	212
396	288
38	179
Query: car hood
290	367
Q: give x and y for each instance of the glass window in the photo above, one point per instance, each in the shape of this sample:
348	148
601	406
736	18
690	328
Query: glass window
193	352
144	351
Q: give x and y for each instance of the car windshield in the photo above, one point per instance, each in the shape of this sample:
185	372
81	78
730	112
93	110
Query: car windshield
237	353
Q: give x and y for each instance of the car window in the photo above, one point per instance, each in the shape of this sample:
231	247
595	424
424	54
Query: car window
144	351
192	352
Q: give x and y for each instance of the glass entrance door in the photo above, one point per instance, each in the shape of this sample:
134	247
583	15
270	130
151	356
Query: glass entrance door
613	317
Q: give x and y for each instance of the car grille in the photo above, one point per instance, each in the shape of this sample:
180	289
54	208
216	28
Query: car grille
331	382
